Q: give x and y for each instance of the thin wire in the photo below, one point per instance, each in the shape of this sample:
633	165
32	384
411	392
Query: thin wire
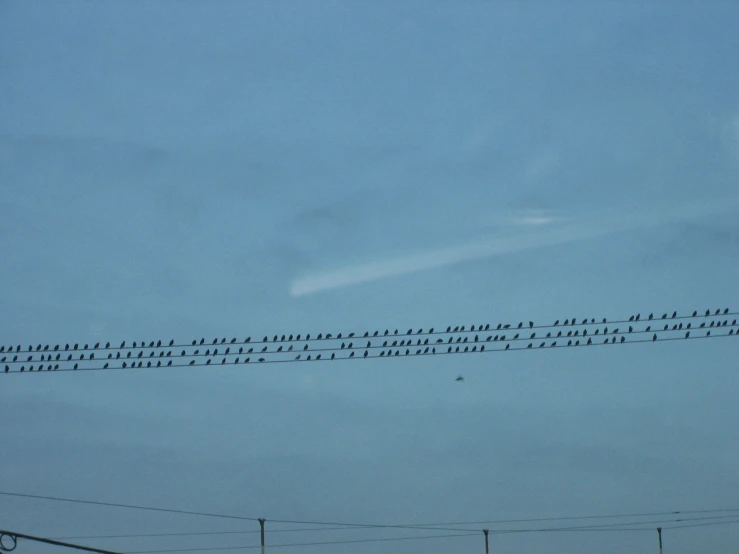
16	536
571	518
434	526
370	335
133	507
389	355
470	534
701	524
625	526
424	526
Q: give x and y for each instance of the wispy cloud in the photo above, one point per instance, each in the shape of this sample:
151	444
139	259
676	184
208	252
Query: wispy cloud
538	231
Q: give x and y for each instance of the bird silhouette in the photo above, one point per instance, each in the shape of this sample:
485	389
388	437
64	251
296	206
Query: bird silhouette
459	379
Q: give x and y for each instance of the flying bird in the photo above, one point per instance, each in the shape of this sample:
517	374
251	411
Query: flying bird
459	379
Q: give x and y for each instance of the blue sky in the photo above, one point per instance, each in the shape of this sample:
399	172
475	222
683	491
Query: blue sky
186	169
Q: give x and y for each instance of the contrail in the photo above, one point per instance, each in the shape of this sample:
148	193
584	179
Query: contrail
545	235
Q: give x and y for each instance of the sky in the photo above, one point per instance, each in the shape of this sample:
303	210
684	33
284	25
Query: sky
227	168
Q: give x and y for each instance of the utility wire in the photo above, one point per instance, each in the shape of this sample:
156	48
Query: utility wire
325	543
425	527
463	329
156	362
392	539
378	335
129	506
702	524
15	536
421	526
469	534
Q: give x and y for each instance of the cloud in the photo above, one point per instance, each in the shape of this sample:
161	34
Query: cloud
544	233
382	269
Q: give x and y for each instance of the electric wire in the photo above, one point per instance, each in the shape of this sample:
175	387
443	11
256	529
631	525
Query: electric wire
459	339
156	362
324	543
419	526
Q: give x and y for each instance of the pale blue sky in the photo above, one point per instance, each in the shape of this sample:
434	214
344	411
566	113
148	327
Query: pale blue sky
180	169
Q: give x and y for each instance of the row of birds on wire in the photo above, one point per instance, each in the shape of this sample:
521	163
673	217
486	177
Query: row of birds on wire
369	344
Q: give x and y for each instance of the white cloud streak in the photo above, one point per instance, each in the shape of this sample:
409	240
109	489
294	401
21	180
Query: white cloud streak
544	235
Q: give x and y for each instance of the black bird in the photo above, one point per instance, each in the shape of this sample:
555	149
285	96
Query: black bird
631	318
664	316
590	341
520	324
674	315
262	359
708	312
726	311
695	313
650	316
556	323
366	353
717	312
333	355
567	322
623	339
654	337
507	346
459	379
687	335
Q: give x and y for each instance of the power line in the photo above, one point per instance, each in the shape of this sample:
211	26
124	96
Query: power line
463	329
703	524
129	506
325	543
83	357
15	536
429	527
419	526
469	534
153	361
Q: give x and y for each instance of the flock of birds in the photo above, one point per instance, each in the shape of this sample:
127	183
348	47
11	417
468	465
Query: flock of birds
571	332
